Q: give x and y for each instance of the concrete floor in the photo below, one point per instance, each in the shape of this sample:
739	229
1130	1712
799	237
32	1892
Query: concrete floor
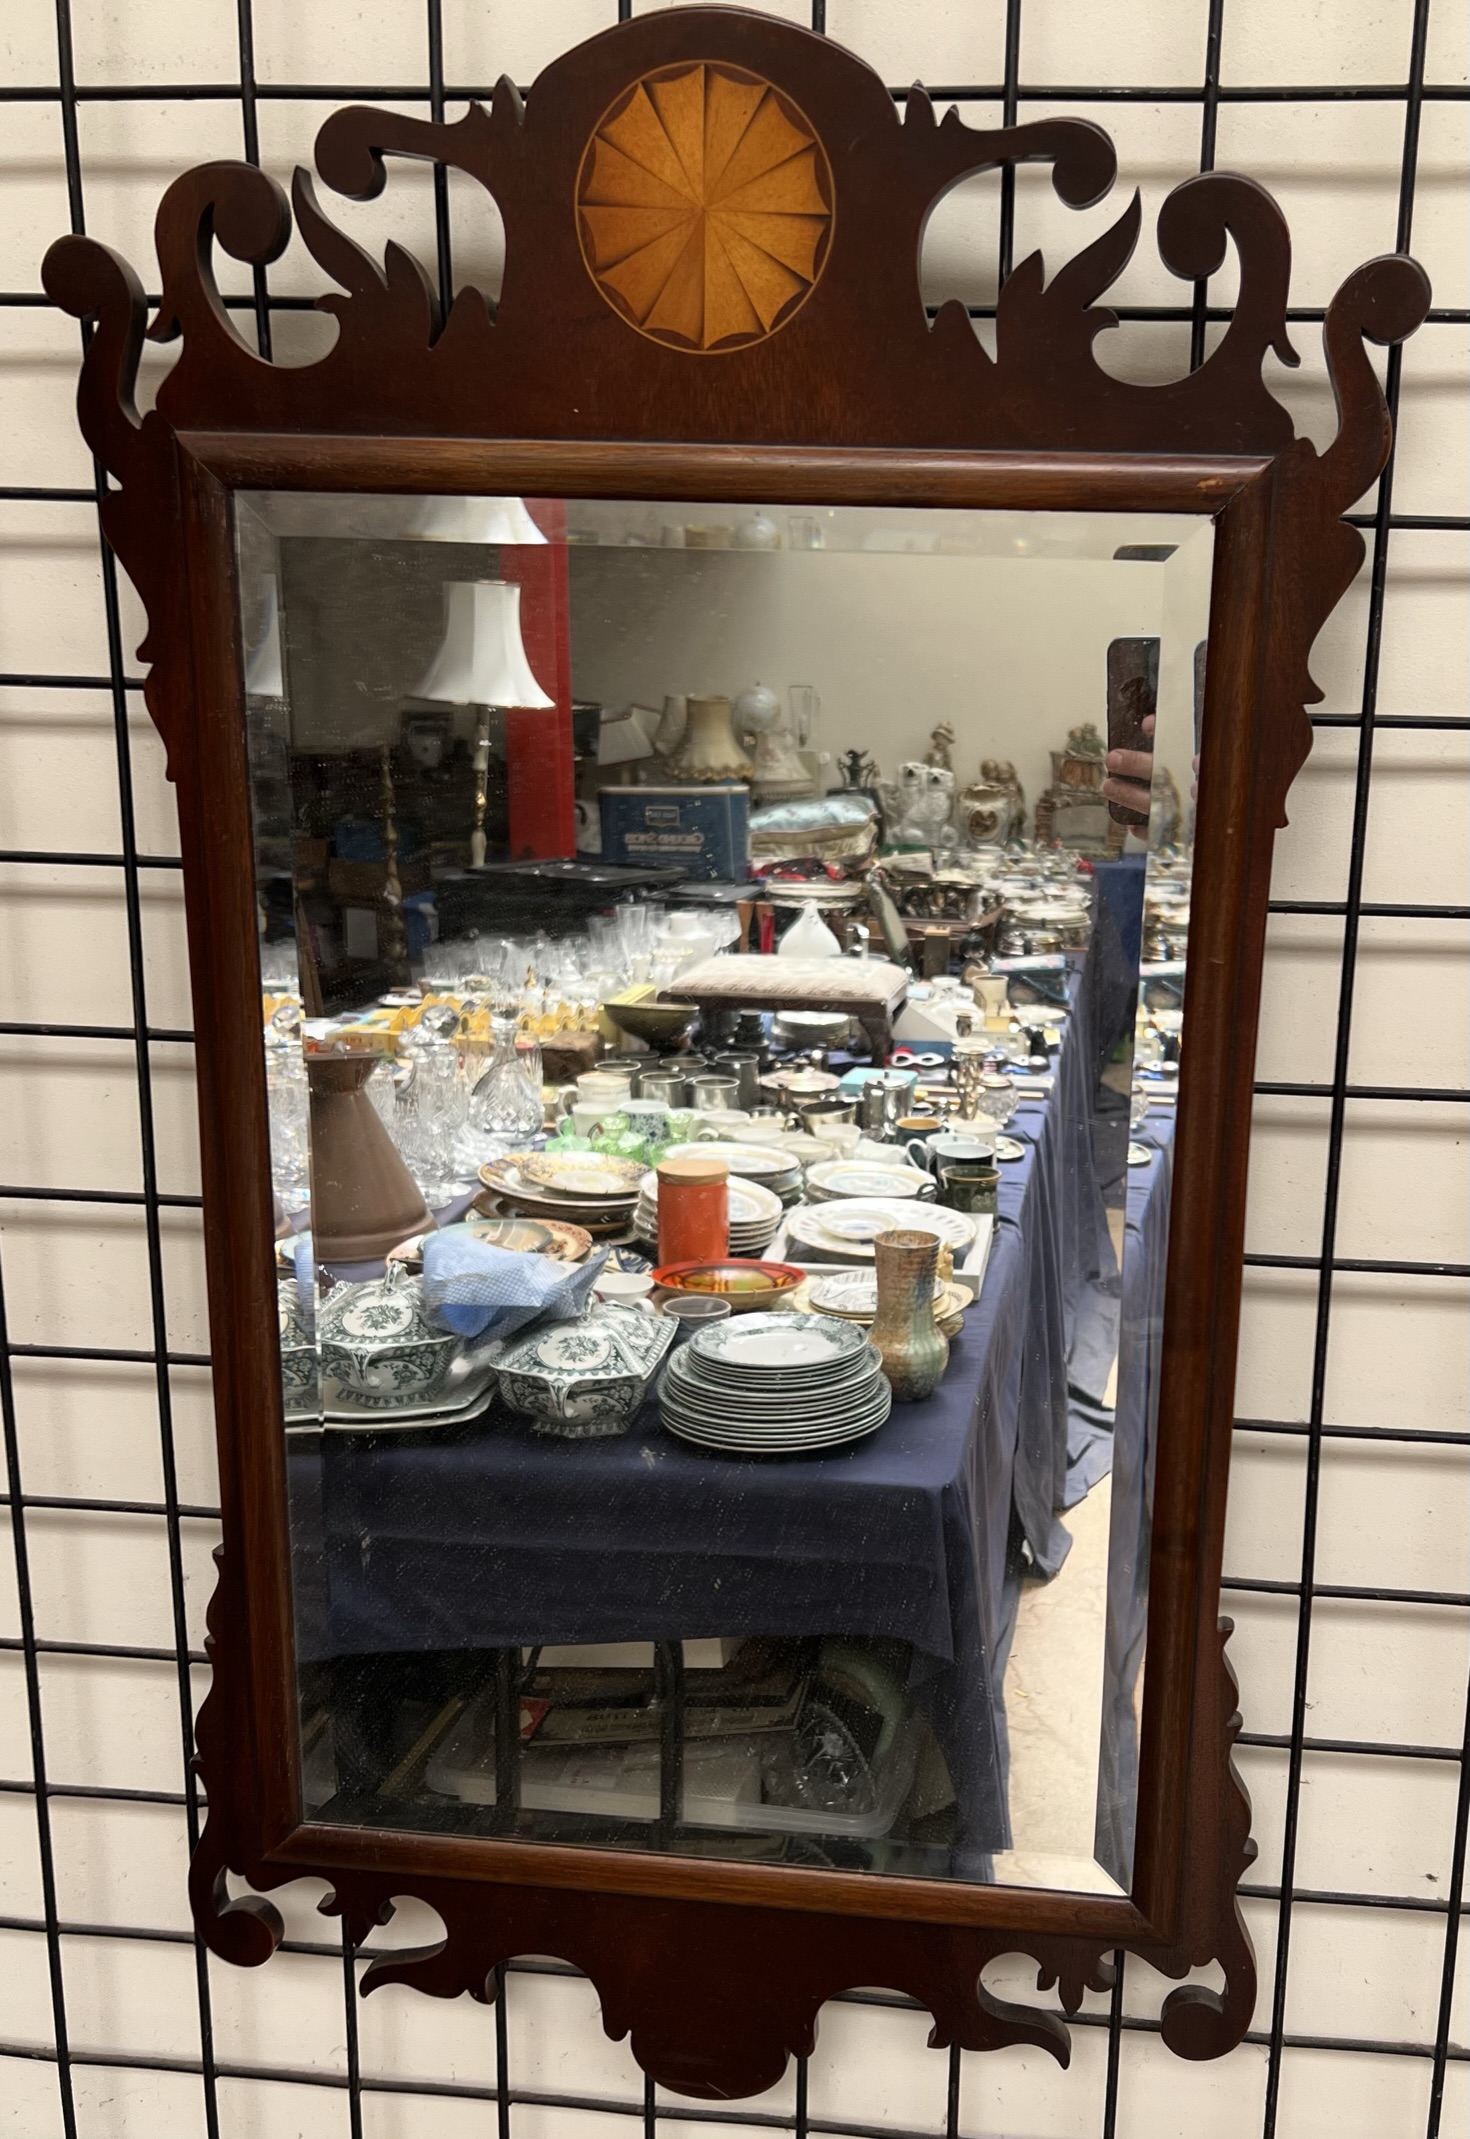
1053	1695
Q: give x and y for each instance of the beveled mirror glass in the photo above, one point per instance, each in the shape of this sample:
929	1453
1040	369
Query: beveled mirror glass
788	1584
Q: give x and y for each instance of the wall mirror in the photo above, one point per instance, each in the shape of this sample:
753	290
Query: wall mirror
727	833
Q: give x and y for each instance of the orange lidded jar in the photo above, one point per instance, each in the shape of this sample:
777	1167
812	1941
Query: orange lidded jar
693	1211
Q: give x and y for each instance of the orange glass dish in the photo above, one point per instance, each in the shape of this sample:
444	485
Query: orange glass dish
744	1282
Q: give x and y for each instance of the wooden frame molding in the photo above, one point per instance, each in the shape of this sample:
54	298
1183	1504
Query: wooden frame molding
830	385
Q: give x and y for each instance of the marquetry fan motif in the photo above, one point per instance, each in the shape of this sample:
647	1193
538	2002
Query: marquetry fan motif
705	207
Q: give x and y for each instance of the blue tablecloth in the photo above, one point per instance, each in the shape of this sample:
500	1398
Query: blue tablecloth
490	1536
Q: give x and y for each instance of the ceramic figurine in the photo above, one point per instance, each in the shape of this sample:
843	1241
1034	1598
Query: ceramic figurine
1072	812
918	808
941	747
992	811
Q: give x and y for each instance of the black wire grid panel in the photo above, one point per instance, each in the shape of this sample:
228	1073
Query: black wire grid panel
951	2096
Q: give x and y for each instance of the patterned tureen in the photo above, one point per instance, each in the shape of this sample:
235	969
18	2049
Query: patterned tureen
587	1378
380	1343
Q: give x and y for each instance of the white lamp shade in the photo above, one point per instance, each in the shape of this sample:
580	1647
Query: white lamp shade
263	673
482	661
498	520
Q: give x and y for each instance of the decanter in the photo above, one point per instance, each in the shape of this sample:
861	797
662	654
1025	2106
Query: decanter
505	1103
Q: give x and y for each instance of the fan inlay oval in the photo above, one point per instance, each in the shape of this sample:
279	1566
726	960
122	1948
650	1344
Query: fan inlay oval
704	206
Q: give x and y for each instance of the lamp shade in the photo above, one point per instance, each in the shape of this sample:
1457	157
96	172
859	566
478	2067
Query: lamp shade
498	520
482	661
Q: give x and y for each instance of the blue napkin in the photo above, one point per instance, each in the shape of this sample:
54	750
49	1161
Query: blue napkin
482	1291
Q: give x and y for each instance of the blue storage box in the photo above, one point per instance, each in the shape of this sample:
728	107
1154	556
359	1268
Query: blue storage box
704	830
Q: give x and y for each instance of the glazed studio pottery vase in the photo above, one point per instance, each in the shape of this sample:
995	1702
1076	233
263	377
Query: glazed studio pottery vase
709	751
363	1197
915	1352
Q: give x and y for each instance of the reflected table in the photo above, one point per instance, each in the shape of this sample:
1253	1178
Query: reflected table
493	1537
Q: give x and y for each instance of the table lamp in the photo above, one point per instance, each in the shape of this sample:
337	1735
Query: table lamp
482	662
502	521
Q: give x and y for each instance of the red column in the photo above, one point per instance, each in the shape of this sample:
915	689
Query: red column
538	745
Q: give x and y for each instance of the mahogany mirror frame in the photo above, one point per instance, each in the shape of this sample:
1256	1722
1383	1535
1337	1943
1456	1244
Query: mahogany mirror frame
850	396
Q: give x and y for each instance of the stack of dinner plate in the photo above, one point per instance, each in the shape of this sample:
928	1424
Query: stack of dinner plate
852	1296
755	1214
843	1231
772	1167
835	1178
775	1385
601	1198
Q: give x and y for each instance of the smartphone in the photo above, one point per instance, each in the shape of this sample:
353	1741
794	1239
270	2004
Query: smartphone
1133	694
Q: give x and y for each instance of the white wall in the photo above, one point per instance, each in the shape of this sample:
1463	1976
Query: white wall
1389	1514
1011	651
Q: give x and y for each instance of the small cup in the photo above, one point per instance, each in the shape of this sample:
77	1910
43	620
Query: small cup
954	1147
604	1086
751	1132
711	1094
692	1312
646	1115
843	1136
627	1287
969	1185
817	1111
668	1087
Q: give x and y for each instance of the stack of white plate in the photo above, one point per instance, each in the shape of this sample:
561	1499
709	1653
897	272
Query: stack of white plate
852	1296
863	1177
768	1164
775	1385
755	1215
573	1197
844	1230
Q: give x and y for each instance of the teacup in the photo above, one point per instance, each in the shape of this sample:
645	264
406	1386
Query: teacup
607	1085
648	1116
843	1136
950	1147
588	1115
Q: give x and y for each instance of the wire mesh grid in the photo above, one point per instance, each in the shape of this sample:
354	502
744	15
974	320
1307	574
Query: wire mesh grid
1315	1433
